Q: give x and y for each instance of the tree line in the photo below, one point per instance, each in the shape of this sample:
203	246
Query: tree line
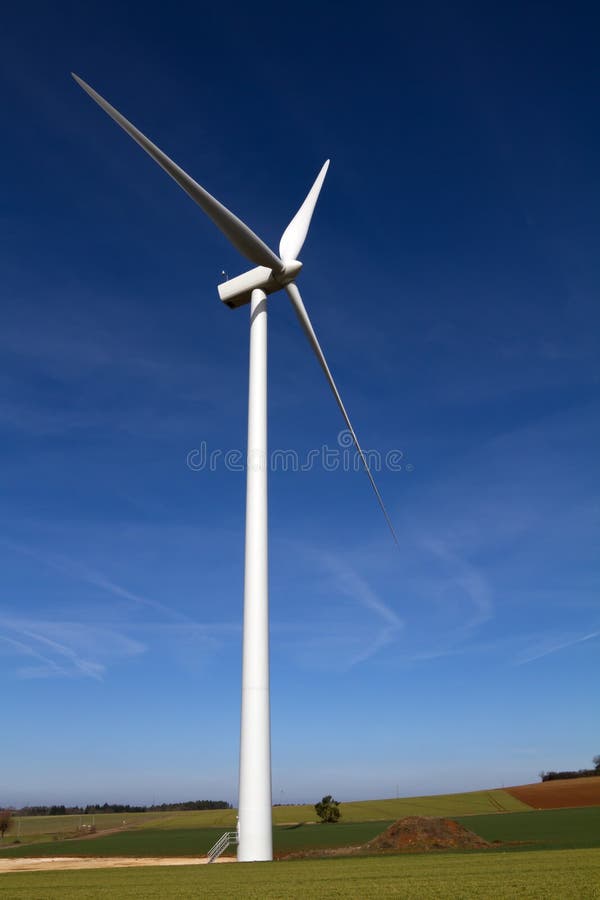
575	773
62	810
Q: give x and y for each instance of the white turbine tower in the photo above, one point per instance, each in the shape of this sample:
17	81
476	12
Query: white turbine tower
272	274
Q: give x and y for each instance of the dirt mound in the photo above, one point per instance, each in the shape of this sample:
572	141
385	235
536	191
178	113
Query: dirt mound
427	833
559	794
412	834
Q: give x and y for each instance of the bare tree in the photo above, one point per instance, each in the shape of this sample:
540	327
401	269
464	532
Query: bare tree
5	821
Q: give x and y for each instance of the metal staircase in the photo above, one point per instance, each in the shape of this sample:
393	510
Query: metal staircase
230	837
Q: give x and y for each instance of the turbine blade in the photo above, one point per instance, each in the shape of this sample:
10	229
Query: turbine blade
292	239
242	237
300	309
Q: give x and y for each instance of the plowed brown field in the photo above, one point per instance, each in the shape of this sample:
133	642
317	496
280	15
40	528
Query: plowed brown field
559	794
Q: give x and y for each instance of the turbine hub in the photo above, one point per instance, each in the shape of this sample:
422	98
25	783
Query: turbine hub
288	273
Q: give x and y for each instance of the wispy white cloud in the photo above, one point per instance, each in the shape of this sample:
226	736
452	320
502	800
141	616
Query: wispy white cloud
48	668
355	639
383	639
65	649
467	579
82	572
87	648
162	398
551	644
513	650
81	665
353	585
447	600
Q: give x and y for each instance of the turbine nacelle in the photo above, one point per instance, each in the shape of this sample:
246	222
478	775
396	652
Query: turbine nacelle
237	291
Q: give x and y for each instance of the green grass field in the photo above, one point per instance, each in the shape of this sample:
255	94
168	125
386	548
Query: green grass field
28	828
471	803
547	828
543	875
317	837
42	828
197	841
536	829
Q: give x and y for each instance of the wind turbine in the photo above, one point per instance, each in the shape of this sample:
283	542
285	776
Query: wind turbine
272	273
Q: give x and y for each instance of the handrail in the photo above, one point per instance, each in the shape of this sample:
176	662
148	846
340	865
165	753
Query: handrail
230	837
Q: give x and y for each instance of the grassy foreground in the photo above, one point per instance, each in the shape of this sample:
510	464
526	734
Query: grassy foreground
497	876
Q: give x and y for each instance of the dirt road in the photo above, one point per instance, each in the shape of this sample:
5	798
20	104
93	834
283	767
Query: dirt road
42	863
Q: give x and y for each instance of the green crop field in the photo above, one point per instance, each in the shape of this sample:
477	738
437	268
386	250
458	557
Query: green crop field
547	828
543	875
42	828
534	829
137	842
291	839
474	802
224	819
28	828
197	841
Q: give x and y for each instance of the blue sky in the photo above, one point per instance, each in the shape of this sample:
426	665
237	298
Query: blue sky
452	273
